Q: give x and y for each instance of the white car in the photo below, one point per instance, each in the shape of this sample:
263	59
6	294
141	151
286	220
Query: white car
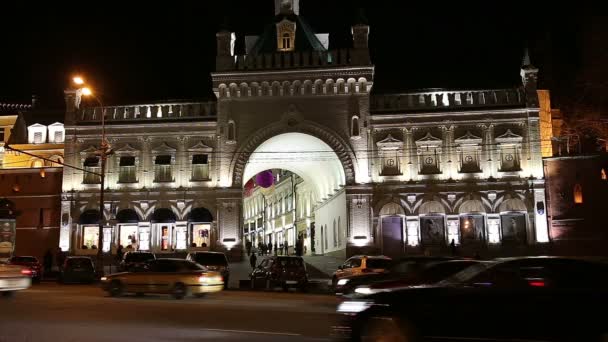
14	278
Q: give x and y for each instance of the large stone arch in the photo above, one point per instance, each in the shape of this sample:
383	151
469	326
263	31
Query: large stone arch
292	124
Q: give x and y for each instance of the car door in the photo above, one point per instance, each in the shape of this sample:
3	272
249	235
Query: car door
345	269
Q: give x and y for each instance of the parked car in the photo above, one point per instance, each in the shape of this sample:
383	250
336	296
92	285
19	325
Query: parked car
213	261
283	271
14	278
177	277
132	261
77	269
396	269
530	298
30	263
429	273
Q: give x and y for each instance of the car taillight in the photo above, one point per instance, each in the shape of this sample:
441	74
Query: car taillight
536	283
26	271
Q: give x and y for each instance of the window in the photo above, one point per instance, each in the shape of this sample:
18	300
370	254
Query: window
58	137
180	238
128	237
200	167
91	164
38	138
603	174
578	194
354	127
200	235
127	170
90	237
165	238
509	158
1	134
286	41
231	131
162	169
144	238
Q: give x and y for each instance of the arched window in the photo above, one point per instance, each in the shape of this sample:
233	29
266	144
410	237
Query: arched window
231	131
354	127
578	194
603	174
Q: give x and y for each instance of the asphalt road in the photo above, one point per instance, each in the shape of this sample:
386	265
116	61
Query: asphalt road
50	312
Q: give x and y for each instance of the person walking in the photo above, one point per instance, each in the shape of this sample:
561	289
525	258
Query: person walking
286	247
270	247
253	260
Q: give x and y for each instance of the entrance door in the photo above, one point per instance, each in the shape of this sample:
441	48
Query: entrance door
392	235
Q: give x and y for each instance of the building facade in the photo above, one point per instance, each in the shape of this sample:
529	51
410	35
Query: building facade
390	173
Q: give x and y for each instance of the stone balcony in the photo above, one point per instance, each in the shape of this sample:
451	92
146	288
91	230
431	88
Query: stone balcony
434	100
171	111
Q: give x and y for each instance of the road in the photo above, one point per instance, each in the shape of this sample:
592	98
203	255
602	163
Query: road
51	312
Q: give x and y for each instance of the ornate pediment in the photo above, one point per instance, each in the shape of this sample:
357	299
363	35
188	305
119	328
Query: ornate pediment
468	139
200	146
429	140
389	143
163	147
126	148
89	150
509	138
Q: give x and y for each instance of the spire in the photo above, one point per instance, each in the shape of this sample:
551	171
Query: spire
286	7
526	60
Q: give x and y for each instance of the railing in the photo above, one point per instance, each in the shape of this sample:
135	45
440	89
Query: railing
446	99
150	112
293	59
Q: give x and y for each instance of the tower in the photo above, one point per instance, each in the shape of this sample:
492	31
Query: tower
529	78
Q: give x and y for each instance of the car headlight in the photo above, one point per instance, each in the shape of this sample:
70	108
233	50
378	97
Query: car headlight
364	290
210	279
343	282
352	306
103	278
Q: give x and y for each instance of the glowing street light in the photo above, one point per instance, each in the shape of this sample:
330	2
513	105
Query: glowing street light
86	91
78	80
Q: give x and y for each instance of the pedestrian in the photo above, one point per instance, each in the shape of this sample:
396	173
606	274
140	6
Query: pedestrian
286	248
270	247
453	247
48	261
276	249
252	260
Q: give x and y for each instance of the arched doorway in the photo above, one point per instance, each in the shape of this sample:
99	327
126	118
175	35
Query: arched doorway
472	222
392	223
294	181
129	235
163	221
432	223
513	221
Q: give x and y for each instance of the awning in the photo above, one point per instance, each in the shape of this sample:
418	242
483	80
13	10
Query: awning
90	216
200	215
163	215
127	216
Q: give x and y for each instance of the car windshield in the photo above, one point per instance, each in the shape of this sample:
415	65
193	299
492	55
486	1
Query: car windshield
378	263
23	259
139	257
211	259
467	274
80	263
290	262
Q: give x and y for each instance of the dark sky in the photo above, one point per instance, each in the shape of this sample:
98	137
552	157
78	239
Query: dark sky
152	52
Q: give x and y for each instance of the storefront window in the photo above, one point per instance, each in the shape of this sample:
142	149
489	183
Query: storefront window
90	237
513	227
200	234
107	239
432	230
471	228
180	238
128	237
144	238
165	238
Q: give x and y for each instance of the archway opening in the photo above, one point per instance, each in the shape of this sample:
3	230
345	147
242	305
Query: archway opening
292	183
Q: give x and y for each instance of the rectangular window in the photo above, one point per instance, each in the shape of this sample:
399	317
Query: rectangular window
128	237
1	134
509	159
200	235
180	238
162	169
127	170
90	237
91	164
58	137
38	138
200	167
165	238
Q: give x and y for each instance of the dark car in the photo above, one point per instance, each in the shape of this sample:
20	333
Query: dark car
213	261
282	271
430	273
531	299
397	269
134	261
77	269
31	263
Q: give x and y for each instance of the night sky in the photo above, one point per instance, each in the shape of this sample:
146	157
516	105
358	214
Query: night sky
150	52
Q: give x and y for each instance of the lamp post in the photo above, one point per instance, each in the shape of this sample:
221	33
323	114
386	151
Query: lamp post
103	152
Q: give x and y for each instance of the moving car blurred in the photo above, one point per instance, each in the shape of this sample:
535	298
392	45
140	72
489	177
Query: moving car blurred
133	261
177	277
77	270
213	261
13	278
397	269
529	298
30	263
283	271
429	273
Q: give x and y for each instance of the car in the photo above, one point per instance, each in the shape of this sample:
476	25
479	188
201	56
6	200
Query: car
14	278
30	263
77	270
525	298
396	269
132	261
284	271
213	261
429	273
177	277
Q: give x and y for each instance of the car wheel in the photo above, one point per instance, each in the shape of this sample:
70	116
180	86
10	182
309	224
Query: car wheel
179	291
115	289
386	329
8	294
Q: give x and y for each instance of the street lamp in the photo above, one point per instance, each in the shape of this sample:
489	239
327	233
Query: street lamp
103	152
